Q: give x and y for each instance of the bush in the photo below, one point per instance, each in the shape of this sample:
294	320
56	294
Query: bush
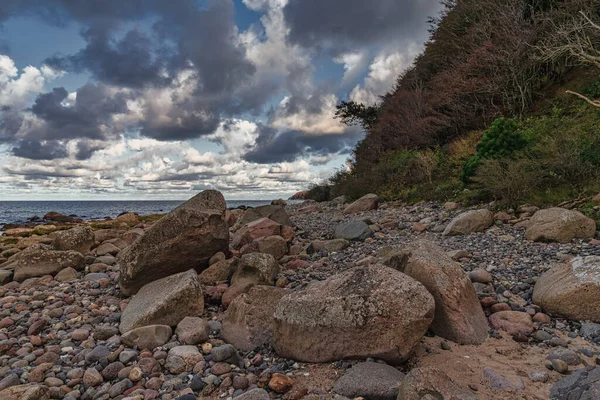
319	193
501	140
510	181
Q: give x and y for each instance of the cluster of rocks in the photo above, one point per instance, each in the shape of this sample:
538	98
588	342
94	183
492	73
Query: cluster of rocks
210	302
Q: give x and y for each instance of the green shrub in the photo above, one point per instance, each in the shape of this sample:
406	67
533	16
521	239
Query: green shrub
319	193
501	140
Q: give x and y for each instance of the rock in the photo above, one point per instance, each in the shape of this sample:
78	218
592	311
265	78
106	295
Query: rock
431	383
165	302
192	330
130	218
480	276
40	260
226	353
274	213
371	381
80	239
539	376
5	276
107	249
66	275
220	256
589	330
368	311
330	246
469	222
559	225
92	377
256	268
183	358
220	271
26	392
58	217
353	230
458	313
234	291
248	321
582	384
105	332
279	202
147	337
500	382
512	322
254	394
571	289
366	203
185	238
560	366
273	245
258	229
458	254
280	383
132	235
567	355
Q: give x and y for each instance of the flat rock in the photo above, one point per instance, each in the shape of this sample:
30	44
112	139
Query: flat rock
147	337
185	238
367	311
353	230
41	260
80	239
583	384
371	381
571	289
273	212
165	302
512	322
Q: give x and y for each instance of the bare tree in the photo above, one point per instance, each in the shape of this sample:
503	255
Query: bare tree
578	41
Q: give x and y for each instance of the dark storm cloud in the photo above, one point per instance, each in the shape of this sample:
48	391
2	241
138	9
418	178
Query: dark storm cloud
36	150
93	109
183	35
341	24
86	149
273	146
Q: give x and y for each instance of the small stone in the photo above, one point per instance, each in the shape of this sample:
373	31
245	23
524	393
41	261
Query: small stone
192	330
220	368
280	383
539	376
480	276
560	366
92	377
445	345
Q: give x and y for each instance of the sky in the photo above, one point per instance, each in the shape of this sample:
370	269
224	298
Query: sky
155	99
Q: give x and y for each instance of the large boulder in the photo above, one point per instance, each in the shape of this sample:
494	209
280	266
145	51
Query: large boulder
58	217
148	337
368	311
273	212
257	269
469	222
432	383
559	225
370	380
248	322
458	313
273	245
185	238
165	302
80	238
571	289
352	230
40	260
366	203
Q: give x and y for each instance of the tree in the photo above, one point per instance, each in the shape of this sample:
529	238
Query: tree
352	113
578	40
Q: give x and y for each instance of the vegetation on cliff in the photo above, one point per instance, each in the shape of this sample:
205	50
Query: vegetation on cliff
500	105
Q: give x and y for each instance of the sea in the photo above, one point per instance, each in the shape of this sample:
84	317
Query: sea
14	212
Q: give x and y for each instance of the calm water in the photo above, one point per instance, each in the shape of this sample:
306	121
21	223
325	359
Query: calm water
21	211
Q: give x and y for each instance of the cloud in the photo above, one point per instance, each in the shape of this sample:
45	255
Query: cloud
383	73
273	146
342	26
37	150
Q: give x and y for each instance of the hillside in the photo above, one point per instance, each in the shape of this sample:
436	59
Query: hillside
483	112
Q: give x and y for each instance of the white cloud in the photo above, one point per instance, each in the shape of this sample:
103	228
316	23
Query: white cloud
383	72
16	90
